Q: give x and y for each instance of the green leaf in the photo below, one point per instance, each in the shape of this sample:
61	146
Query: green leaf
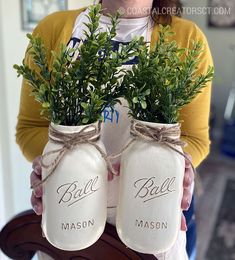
85	120
147	92
170	74
45	104
84	105
143	104
75	90
135	100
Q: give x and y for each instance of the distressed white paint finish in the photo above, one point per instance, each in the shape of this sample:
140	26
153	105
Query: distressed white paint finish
75	195
150	193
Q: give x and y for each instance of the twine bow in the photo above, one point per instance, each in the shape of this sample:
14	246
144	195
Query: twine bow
69	141
91	134
167	136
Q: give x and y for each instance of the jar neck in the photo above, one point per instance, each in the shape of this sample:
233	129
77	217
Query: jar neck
74	129
162	125
157	125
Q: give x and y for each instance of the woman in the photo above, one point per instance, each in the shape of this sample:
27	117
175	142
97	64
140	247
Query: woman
139	18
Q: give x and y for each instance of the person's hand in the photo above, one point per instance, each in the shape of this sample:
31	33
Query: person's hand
116	167
187	194
36	197
35	177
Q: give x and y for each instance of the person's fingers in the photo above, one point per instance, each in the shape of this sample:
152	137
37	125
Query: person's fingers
188	160
38	191
188	177
37	161
36	204
37	165
34	180
187	198
183	223
110	176
116	167
38	170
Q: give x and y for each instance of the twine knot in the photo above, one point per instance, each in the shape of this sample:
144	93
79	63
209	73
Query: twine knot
69	146
69	141
168	136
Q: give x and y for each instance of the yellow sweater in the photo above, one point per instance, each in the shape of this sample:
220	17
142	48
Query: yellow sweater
32	130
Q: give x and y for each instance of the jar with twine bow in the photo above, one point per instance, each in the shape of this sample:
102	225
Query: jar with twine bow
151	187
73	92
153	162
75	186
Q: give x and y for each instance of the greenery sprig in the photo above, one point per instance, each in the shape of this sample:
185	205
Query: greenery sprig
164	80
75	91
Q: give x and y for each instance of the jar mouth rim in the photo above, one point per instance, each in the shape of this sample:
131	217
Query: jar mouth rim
157	124
70	129
54	124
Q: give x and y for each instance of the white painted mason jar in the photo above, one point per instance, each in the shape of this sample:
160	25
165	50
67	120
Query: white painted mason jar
75	195
150	193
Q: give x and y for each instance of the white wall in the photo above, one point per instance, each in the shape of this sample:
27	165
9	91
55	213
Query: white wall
220	41
75	4
5	180
15	169
2	194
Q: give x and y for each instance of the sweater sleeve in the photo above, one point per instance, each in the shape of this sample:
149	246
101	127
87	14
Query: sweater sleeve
31	129
195	116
